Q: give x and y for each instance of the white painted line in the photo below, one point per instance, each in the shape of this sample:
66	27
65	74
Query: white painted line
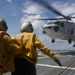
45	65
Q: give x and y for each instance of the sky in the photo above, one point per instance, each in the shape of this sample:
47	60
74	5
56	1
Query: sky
16	12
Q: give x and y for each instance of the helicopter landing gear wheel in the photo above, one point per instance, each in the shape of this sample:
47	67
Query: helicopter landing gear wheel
53	40
69	41
74	44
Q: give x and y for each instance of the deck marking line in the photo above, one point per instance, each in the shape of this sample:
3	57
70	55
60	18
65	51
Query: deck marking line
45	65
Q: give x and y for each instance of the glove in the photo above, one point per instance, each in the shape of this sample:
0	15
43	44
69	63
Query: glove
58	62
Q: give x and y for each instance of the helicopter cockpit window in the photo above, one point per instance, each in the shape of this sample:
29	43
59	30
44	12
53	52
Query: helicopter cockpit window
57	22
62	24
49	27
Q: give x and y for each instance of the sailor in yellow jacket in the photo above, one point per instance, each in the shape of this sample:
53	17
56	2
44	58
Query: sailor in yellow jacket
25	64
7	49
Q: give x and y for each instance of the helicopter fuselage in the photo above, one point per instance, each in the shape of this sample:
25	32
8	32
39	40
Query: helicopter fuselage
63	30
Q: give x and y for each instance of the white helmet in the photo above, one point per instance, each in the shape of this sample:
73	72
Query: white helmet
26	27
3	25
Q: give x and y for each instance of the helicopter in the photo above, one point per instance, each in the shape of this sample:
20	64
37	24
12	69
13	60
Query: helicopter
59	28
63	30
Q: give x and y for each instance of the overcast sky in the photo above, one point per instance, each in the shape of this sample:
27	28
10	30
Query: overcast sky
16	12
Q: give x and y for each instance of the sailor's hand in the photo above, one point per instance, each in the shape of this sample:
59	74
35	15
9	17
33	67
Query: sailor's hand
58	62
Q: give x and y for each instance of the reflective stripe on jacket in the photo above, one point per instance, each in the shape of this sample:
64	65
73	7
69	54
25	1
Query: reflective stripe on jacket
31	42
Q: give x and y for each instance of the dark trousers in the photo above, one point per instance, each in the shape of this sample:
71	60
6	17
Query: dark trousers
23	67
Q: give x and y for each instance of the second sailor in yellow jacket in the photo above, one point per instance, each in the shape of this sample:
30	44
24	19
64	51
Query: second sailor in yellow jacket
29	59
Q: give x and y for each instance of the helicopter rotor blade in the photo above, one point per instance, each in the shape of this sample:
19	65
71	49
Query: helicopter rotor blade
47	18
49	7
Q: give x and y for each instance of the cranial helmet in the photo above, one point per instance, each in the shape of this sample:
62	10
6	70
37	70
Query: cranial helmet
26	27
3	25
